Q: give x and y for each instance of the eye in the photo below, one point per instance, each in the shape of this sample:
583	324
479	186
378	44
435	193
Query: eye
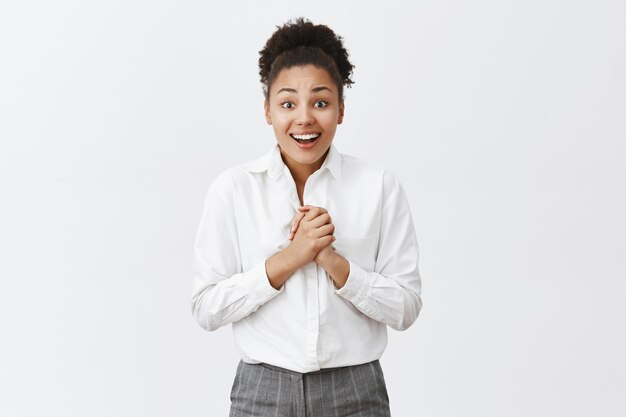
320	104
287	104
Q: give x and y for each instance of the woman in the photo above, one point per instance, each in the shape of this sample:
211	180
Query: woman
308	252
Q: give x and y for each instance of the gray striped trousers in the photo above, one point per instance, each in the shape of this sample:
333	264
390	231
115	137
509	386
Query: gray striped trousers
263	390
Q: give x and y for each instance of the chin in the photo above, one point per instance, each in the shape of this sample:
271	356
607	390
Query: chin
303	156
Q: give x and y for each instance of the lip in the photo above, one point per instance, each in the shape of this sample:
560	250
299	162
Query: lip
306	145
306	132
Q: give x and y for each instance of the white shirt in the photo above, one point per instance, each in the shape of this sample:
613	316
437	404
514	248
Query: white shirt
308	323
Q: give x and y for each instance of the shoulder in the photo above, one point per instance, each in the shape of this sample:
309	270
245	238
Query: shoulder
235	177
355	165
364	170
221	186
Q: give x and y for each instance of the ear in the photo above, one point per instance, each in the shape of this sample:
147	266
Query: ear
341	110
266	108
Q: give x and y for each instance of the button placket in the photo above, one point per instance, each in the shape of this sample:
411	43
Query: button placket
289	186
310	272
312	287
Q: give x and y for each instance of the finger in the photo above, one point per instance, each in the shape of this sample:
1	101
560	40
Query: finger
320	220
293	223
327	229
314	212
306	207
296	222
327	240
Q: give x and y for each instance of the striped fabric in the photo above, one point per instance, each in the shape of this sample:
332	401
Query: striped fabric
263	390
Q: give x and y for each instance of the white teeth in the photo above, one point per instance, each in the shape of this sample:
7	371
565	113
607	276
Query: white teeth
305	137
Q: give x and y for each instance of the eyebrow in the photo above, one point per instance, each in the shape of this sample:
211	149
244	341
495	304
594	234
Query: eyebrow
292	90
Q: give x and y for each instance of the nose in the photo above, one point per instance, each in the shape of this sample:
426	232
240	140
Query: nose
305	117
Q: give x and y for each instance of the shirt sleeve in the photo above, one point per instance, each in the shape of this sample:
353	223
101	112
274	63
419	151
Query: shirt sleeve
392	293
222	292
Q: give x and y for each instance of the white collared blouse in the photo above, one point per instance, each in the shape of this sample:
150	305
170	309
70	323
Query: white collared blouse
307	324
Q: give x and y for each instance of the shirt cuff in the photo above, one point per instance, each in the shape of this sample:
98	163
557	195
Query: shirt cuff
357	285
256	283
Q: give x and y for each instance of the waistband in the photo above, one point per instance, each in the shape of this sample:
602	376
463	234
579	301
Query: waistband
321	371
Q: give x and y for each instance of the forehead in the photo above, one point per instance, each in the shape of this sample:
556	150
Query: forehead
303	78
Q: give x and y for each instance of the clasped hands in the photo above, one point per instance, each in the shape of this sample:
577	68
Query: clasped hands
311	237
311	234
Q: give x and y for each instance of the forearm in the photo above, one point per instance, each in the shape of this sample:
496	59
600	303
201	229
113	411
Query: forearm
338	268
375	295
391	298
279	267
217	300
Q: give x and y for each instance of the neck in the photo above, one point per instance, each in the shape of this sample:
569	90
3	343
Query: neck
301	172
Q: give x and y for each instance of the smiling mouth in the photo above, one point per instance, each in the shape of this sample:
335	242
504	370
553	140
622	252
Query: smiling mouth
312	137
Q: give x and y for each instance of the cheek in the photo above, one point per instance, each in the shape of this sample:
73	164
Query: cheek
280	121
329	120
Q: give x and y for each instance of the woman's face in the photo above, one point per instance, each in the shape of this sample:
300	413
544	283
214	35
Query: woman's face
304	101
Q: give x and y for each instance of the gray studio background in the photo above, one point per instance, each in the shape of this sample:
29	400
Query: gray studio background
504	120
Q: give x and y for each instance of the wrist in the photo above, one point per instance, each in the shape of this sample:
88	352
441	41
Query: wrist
327	258
287	260
279	268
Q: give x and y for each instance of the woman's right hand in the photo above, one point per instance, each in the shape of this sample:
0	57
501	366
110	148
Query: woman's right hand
314	231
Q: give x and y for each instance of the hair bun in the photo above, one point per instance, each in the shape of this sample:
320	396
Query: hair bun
303	33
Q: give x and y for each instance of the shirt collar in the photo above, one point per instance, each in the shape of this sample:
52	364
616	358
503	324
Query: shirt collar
273	163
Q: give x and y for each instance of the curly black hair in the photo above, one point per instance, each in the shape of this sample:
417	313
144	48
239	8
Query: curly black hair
301	43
